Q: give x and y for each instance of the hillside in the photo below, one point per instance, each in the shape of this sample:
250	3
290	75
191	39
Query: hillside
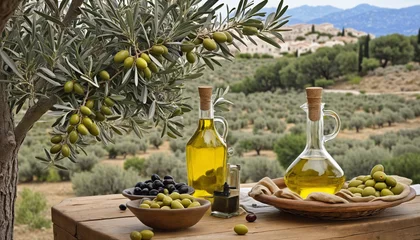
375	20
305	13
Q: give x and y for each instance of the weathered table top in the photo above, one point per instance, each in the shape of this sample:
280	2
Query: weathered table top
99	218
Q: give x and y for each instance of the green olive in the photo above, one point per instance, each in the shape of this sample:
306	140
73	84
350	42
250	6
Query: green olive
153	67
65	150
106	110
220	37
147	73
167	201
357	194
160	197
366	178
90	104
377	194
144	205
355	183
370	183
146	57
108	101
361	186
194	204
361	177
55	149
147	234
154	205
390	181
166	207
229	37
165	49
176	205
186	196
78	89
198	41
398	189
376	168
121	56
186	202
191	57
135	235
87	122
147	201
380	185
85	110
157	50
175	196
165	191
104	75
160	203
99	117
368	191
141	63
73	137
74	119
82	129
128	62
249	30
379	176
56	139
209	44
241	229
187	46
355	190
70	128
386	192
68	86
94	130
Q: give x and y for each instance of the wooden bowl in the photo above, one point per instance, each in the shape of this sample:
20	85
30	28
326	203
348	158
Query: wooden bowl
169	219
330	211
131	196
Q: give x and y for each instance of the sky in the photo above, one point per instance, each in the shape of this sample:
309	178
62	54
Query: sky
336	3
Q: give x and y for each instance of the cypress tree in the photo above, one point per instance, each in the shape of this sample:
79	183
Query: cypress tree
313	29
418	37
343	33
367	40
360	57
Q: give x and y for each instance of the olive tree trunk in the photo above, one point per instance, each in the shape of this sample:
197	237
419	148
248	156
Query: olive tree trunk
8	167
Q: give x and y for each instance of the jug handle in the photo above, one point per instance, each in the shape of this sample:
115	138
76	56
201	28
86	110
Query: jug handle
337	126
225	126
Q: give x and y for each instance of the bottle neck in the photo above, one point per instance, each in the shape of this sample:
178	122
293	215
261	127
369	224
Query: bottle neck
206	114
314	134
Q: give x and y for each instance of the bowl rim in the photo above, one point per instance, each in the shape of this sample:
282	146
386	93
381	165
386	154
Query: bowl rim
124	192
204	204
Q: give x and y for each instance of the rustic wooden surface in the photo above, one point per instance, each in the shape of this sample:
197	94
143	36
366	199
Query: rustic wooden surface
99	218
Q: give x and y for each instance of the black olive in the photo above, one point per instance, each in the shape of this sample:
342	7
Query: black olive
171	188
176	191
149	186
166	182
123	207
168	177
161	189
157	184
145	191
141	185
155	177
148	181
153	192
183	189
137	191
178	185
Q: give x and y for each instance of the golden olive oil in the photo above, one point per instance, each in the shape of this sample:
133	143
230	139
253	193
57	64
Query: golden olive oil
314	175
206	156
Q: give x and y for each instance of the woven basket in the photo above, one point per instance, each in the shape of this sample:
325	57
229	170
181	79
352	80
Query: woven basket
320	210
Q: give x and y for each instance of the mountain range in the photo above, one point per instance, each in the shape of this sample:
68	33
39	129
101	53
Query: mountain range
364	17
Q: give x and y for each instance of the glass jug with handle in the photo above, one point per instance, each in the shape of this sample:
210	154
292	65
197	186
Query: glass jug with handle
314	170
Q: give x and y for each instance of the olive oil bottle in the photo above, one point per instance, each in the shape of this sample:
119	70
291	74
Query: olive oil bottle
314	170
206	151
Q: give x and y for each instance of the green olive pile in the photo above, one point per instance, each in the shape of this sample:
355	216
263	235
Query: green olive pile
376	184
172	201
143	235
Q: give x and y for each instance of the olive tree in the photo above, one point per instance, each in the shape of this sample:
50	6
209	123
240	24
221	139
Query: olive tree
107	67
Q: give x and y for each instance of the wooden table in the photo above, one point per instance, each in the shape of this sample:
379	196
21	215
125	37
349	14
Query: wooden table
99	218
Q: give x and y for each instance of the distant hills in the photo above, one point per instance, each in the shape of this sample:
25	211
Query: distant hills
364	17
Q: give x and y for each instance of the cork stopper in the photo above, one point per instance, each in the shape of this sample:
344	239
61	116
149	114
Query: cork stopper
205	97
314	96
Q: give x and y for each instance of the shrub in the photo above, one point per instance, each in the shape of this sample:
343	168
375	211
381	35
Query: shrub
165	164
369	64
84	163
256	55
323	82
407	113
30	209
300	38
354	79
244	55
31	169
409	67
156	140
259	124
136	164
103	179
401	149
276	125
178	144
256	168
288	148
407	165
53	175
98	150
357	161
265	55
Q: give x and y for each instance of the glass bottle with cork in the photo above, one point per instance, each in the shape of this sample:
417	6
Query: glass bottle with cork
314	170
206	151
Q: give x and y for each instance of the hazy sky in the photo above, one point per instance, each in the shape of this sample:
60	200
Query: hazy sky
336	3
